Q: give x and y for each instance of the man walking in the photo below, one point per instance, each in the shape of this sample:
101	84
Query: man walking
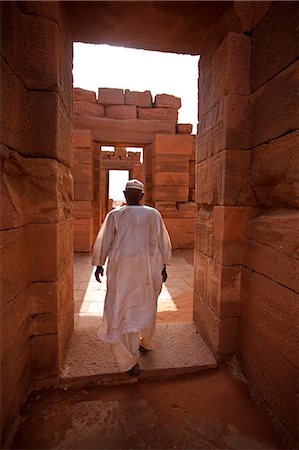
137	244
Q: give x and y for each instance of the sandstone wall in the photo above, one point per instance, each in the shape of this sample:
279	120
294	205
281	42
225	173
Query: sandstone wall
246	250
124	118
37	191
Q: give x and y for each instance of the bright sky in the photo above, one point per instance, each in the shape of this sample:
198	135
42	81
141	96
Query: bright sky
97	66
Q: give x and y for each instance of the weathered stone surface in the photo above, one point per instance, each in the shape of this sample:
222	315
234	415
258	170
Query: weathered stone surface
224	179
177	225
274	46
65	306
275	172
121	111
83	191
82	95
225	126
227	73
172	145
51	128
219	334
88	109
170	193
184	128
15	277
270	374
83	226
44	362
188	209
204	231
85	156
167	209
83	243
43	307
275	320
110	96
171	163
275	106
82	209
138	98
168	114
82	138
82	173
125	132
272	247
229	233
170	179
56	240
167	101
15	111
35	190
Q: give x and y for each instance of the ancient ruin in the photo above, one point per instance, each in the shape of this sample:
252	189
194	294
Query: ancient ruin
246	180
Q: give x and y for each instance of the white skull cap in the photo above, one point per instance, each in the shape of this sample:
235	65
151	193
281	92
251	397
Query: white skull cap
135	184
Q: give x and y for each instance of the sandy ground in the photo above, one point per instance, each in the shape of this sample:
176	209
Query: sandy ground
210	410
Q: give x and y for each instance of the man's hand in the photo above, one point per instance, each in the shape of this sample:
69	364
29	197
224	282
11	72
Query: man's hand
164	275
99	271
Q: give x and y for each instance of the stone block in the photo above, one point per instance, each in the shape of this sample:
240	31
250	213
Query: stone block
271	375
275	320
82	209
125	132
275	106
65	312
85	156
229	233
184	128
44	361
35	190
172	145
171	163
225	126
43	298
227	72
167	101
51	249
51	128
188	209
88	109
83	243
273	45
110	96
167	209
170	193
82	95
224	179
167	114
15	273
219	334
204	231
121	111
83	191
272	247
275	172
83	226
82	138
170	179
15	111
138	98
82	173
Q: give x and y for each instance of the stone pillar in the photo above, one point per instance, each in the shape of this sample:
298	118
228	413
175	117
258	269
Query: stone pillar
37	187
223	189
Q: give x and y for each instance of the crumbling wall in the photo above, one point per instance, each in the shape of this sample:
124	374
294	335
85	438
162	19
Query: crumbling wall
246	250
36	184
133	118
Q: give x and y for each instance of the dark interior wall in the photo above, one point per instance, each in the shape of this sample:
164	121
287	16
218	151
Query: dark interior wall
37	192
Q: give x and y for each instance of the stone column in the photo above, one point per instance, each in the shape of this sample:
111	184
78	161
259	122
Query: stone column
37	187
223	189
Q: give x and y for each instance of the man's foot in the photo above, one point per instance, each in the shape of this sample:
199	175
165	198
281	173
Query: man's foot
135	371
143	350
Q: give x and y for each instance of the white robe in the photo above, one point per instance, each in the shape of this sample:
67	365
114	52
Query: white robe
137	244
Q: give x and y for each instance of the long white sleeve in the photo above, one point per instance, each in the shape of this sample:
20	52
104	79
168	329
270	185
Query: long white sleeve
103	241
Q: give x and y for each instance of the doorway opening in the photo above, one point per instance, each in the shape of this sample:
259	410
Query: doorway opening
117	179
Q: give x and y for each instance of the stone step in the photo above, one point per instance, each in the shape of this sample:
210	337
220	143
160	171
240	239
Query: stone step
179	350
